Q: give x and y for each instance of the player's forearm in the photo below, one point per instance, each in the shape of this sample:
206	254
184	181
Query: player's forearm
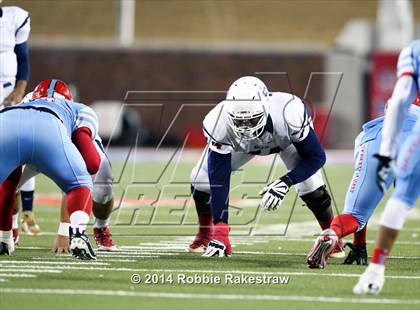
404	94
219	166
312	158
21	87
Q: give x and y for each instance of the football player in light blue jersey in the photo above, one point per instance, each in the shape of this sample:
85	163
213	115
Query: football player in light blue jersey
363	194
44	133
407	187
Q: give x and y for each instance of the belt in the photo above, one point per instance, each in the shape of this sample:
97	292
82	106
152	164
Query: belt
41	109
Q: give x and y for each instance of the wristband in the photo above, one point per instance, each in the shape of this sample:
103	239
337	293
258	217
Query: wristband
63	229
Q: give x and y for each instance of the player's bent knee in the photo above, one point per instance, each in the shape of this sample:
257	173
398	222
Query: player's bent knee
200	180
394	214
318	200
102	193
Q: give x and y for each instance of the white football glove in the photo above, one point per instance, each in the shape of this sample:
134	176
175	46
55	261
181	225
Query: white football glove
215	248
274	193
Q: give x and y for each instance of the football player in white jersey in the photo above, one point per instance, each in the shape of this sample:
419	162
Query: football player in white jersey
407	188
252	121
14	73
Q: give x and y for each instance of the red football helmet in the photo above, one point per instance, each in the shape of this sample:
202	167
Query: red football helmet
52	89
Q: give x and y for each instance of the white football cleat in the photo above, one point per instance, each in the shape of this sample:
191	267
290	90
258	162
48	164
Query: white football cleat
7	245
80	246
371	281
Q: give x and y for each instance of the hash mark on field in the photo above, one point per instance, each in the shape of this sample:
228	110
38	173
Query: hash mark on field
17	275
324	299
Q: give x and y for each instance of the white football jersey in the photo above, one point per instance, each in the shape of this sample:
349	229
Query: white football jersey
14	29
288	121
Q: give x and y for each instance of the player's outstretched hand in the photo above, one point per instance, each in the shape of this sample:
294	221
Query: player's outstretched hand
61	245
274	193
15	97
383	171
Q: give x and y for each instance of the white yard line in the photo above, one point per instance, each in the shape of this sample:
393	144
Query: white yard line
300	298
16	275
27	269
11	262
70	258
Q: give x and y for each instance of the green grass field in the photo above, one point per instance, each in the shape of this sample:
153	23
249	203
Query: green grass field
153	237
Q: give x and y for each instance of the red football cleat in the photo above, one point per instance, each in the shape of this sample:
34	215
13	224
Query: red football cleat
103	238
220	244
324	245
15	232
203	236
199	245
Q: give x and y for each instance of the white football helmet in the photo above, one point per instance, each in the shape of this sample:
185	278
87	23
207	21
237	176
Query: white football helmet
246	107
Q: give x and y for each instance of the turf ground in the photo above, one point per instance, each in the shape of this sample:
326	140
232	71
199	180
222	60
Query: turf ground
152	235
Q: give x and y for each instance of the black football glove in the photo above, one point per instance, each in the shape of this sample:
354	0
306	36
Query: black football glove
383	171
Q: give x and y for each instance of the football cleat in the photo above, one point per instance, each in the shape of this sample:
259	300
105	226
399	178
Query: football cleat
371	281
200	243
103	238
80	246
29	225
5	249
7	245
220	245
198	246
338	251
15	232
323	246
357	254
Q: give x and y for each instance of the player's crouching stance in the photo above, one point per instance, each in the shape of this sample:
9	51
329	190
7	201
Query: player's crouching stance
407	188
102	204
43	133
252	121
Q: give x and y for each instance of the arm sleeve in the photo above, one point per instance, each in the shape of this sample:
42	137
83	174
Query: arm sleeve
219	167
86	117
83	141
22	56
312	158
405	92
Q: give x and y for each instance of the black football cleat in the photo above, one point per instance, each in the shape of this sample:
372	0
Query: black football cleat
80	246
6	249
357	254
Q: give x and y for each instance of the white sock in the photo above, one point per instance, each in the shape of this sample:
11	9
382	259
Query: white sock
15	221
79	219
7	237
100	223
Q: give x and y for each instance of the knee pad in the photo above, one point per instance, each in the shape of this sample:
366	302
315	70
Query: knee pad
202	201
394	214
318	200
199	179
102	193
